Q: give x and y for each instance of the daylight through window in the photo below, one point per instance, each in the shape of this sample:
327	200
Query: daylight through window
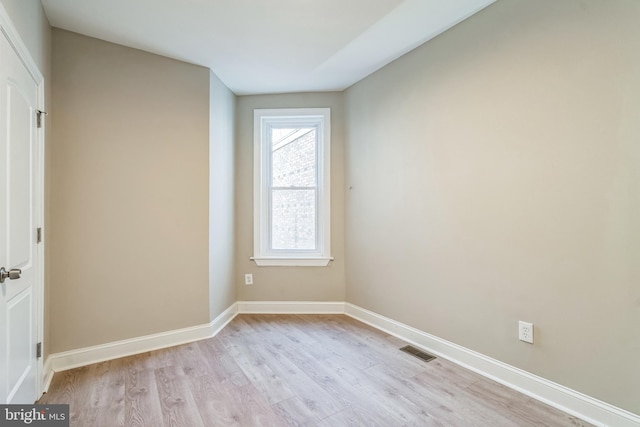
292	187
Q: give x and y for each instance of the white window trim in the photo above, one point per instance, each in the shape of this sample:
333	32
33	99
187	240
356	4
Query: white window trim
261	227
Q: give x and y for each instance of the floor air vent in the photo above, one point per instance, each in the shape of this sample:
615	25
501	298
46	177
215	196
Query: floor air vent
418	353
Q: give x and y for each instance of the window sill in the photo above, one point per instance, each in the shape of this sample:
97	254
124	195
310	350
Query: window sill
291	262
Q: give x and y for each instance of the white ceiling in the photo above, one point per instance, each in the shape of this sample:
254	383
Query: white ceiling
268	46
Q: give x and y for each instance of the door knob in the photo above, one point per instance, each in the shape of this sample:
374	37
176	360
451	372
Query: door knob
12	274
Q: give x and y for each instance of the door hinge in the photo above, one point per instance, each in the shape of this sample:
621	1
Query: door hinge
39	235
39	114
39	350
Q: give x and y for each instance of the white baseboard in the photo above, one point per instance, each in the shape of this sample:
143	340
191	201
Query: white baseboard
570	401
86	356
47	375
291	307
223	319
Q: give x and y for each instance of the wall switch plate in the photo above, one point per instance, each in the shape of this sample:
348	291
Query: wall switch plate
525	331
248	279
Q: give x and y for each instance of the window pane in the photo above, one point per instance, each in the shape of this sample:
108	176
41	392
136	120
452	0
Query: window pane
293	219
293	161
279	134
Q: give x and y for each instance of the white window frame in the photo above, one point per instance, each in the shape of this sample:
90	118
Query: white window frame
313	117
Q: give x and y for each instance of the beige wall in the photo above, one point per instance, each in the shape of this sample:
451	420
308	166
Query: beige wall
129	193
288	283
222	290
495	178
31	22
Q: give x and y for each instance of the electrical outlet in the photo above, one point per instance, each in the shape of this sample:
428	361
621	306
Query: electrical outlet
248	279
525	331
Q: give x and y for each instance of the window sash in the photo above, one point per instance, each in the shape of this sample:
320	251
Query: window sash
264	122
271	188
316	222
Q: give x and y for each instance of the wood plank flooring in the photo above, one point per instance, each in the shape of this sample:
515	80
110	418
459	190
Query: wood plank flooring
291	370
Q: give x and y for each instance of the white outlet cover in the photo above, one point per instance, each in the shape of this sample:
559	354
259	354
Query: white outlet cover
525	331
248	279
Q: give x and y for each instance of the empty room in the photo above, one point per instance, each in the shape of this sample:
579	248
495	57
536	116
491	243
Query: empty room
320	213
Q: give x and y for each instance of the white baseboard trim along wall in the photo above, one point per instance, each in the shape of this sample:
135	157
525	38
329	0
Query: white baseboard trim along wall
290	307
585	407
99	353
580	405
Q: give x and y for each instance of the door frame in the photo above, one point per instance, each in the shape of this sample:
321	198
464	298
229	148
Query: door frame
11	33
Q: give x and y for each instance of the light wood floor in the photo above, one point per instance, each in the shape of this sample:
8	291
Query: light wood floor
291	370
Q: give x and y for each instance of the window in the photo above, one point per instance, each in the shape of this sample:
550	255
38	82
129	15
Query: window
292	187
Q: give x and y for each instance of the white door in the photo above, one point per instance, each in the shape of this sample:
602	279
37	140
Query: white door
19	213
